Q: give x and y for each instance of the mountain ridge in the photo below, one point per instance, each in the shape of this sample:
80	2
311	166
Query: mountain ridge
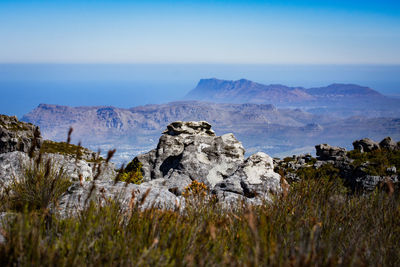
261	127
245	90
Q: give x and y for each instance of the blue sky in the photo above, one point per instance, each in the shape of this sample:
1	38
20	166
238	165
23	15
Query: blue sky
253	32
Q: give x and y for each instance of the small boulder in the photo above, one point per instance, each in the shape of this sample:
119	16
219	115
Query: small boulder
327	152
365	145
388	143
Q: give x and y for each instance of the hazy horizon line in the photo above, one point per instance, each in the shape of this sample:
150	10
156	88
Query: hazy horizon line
200	63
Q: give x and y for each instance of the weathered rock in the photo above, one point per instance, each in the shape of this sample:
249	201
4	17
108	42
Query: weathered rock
12	165
370	182
255	177
18	136
190	151
194	152
87	170
365	145
189	128
388	143
327	152
144	196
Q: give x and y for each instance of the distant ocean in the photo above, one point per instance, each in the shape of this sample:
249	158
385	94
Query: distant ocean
24	86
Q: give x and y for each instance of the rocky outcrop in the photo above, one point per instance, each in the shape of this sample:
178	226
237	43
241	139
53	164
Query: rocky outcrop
18	136
327	152
13	164
359	175
365	145
389	144
190	151
17	139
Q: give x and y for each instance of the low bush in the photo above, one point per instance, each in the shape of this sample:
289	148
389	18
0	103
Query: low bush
132	173
40	186
378	160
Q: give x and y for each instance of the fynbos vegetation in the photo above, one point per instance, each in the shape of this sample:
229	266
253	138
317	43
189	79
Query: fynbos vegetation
316	220
316	223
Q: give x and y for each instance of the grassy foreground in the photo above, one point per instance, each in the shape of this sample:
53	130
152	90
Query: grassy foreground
316	223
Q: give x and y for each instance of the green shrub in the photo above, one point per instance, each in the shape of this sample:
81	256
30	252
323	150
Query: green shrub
40	186
132	173
325	171
378	160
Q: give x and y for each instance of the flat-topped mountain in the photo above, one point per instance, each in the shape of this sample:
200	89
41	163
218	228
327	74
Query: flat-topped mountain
243	90
336	99
247	91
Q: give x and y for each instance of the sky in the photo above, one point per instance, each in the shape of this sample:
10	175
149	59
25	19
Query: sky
206	32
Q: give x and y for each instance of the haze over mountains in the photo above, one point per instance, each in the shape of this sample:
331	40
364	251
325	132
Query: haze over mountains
336	99
332	116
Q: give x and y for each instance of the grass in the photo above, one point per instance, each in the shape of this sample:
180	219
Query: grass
314	224
60	148
65	148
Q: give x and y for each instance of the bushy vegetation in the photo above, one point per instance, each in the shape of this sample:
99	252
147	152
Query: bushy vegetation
314	224
132	173
377	161
40	186
65	148
60	148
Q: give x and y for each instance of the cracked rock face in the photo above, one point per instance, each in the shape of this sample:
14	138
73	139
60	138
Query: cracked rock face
144	195
17	136
190	151
12	166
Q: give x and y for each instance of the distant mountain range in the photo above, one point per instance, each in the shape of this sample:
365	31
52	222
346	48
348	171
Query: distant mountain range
261	127
336	99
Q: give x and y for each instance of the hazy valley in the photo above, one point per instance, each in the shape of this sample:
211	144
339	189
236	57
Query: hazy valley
275	122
